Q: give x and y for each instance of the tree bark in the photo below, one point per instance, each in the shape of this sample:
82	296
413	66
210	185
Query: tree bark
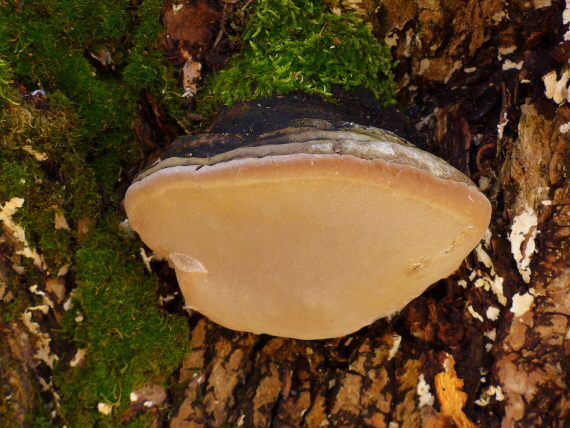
486	347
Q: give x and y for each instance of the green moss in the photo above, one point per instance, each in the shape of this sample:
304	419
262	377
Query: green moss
143	421
42	420
7	93
72	194
299	45
101	55
16	307
86	135
127	340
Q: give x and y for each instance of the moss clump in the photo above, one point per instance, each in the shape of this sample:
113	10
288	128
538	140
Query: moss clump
129	340
64	155
7	93
299	45
59	185
101	55
126	343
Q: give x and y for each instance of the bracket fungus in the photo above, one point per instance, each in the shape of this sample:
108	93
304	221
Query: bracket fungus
312	229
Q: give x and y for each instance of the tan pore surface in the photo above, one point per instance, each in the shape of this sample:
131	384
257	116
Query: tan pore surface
306	246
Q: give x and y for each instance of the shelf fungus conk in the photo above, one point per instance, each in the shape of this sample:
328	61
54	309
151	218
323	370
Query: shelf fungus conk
312	230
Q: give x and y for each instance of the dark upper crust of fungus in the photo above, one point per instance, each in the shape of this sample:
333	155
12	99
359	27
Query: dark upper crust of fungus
263	121
313	136
300	124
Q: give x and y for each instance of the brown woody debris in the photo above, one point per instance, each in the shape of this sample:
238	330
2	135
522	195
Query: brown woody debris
189	29
450	395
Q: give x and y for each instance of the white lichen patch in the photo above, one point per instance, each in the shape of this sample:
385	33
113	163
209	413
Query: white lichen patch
511	65
125	226
425	397
488	394
501	125
424	65
499	16
63	270
566	19
484	258
38	155
60	221
6	212
564	128
483	282
522	237
168	298
487	238
67	304
105	408
474	313
147	259
507	50
456	66
47	301
561	89
566	13
521	304
391	40
78	357
430	118
493	313
492	334
484	183
43	351
556	88
395	346
497	287
550	79
494	284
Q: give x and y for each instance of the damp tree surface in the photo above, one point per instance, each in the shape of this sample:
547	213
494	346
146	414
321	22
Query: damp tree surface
486	84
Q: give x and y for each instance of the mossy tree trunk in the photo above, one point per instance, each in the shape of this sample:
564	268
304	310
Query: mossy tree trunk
485	347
